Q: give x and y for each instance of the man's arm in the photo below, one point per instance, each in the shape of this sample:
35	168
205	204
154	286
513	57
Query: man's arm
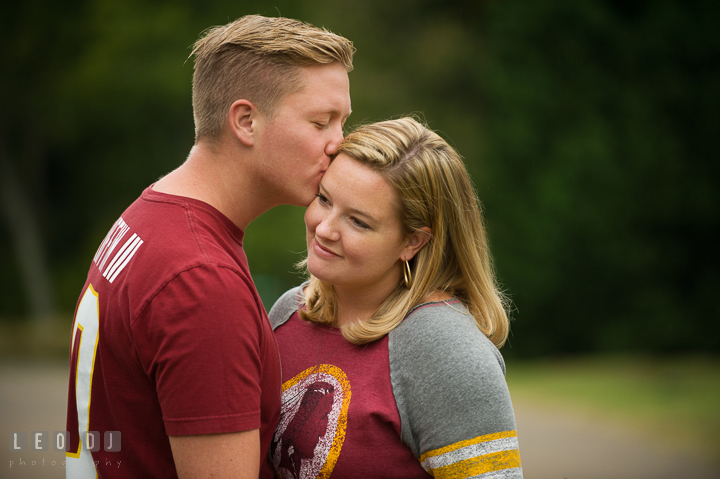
230	455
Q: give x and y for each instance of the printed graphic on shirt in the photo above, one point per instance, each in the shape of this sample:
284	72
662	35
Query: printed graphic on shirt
111	270
493	455
312	424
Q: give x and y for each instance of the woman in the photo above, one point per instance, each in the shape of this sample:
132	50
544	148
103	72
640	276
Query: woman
389	353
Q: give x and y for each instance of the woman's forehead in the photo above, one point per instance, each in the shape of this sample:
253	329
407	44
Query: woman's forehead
360	187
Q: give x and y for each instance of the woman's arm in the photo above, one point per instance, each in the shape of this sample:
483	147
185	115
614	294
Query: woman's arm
449	385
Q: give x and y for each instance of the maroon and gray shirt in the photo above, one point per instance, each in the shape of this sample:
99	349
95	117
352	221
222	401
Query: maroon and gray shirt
428	399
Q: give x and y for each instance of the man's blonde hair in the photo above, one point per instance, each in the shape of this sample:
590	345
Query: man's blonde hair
435	190
256	58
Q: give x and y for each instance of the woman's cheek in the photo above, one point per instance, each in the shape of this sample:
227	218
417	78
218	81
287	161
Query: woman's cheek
312	217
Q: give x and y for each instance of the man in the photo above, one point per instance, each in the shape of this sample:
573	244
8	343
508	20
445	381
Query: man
171	345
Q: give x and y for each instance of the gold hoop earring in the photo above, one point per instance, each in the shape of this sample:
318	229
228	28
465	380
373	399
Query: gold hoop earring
408	275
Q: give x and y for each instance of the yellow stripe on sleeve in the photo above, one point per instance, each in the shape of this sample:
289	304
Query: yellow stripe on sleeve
469	442
479	465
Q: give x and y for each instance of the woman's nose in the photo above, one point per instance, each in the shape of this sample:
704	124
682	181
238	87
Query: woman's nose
326	229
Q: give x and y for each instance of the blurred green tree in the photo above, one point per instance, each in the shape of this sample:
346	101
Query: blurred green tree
588	128
603	197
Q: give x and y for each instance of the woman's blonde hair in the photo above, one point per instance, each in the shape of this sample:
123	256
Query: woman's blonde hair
435	190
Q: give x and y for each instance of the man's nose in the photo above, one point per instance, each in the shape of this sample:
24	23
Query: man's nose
337	138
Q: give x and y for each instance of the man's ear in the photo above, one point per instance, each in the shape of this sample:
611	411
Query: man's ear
415	243
242	119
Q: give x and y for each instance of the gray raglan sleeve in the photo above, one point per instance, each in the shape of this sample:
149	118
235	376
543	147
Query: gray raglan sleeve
285	306
449	385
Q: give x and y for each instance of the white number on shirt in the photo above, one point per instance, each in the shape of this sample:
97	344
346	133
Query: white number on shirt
87	320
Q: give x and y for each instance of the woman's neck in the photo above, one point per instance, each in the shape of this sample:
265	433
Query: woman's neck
360	304
355	305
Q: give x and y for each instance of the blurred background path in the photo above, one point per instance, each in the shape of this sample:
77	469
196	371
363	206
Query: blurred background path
33	397
554	443
557	444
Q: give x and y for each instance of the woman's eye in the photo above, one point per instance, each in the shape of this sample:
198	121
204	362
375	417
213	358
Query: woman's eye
360	224
321	199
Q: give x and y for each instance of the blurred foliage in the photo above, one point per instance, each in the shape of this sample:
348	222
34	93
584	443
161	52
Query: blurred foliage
588	127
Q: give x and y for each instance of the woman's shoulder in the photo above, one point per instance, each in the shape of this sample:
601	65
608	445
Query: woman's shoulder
443	327
445	317
286	305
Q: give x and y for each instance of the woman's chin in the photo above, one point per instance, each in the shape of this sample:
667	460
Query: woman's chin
318	272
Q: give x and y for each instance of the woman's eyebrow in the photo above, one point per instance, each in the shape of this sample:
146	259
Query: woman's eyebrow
352	211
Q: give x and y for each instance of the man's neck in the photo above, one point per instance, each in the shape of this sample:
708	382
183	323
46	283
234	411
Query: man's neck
218	177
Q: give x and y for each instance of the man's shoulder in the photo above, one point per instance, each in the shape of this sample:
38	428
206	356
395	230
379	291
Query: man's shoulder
156	243
179	233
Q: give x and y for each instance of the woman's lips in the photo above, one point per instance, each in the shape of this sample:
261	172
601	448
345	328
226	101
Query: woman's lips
323	251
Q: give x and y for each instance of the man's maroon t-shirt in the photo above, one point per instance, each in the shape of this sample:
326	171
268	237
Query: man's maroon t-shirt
170	339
